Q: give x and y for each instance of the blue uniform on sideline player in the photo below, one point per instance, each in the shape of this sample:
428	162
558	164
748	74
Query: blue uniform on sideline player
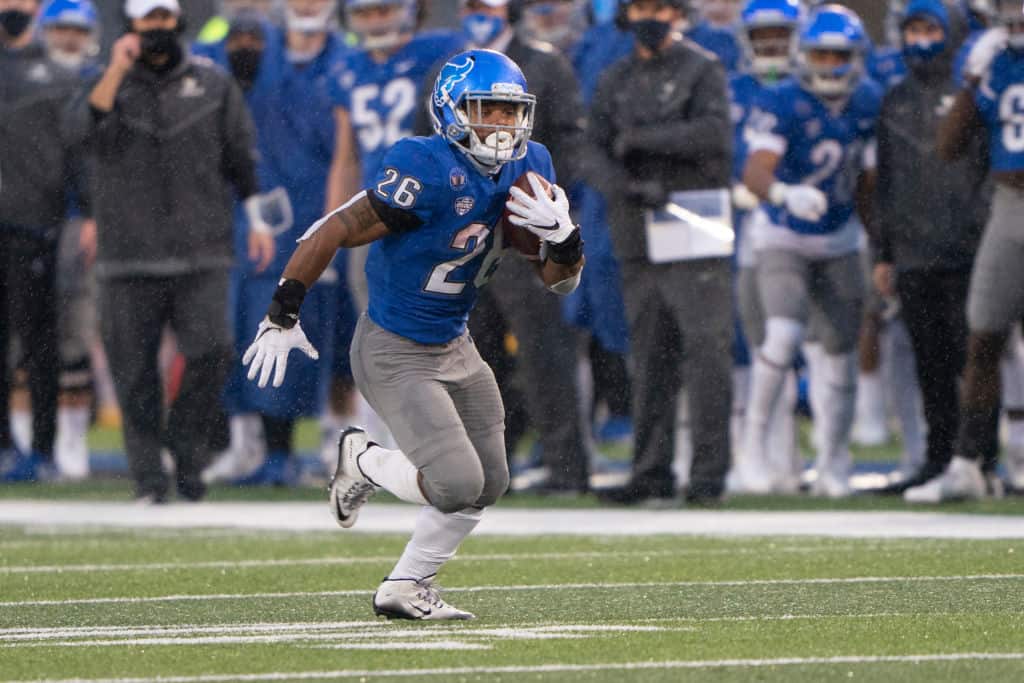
433	216
811	159
767	37
284	74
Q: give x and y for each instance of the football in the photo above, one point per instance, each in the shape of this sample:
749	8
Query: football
518	238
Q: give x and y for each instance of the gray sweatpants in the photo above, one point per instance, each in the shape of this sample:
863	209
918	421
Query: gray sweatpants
681	327
133	313
995	300
443	408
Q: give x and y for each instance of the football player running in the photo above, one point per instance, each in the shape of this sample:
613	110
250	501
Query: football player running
768	39
811	160
992	97
432	215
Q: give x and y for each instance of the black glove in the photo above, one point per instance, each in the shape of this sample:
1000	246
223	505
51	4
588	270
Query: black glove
649	194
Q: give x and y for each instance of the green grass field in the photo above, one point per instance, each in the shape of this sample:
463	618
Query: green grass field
221	605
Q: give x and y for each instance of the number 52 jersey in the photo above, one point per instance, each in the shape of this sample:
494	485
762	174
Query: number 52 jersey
1000	101
423	276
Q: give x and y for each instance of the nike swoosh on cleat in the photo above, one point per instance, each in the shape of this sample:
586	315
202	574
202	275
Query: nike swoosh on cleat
337	506
422	611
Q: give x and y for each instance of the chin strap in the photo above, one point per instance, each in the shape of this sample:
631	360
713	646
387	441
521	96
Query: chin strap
566	286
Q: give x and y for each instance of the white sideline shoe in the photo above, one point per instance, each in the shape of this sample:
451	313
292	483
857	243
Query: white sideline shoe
962	480
349	488
412	599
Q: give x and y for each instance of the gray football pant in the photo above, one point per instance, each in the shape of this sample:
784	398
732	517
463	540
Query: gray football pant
793	286
443	408
547	361
681	327
995	300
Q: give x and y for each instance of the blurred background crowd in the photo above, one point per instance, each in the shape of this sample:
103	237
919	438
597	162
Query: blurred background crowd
159	158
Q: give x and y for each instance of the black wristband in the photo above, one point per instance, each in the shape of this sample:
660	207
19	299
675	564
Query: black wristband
568	251
284	307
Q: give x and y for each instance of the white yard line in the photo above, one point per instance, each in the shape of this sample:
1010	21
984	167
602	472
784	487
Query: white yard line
378	559
562	668
526	587
387	518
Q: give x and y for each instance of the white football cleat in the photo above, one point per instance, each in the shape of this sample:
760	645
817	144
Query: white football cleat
962	480
417	600
349	488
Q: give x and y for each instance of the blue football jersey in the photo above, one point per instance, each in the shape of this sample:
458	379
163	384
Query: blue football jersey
1000	101
886	67
720	41
818	147
423	282
381	98
744	93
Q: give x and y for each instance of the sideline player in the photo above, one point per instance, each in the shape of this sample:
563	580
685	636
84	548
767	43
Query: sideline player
432	215
811	160
992	97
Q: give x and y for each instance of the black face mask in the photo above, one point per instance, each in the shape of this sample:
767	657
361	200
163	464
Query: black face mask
14	22
650	32
245	65
158	43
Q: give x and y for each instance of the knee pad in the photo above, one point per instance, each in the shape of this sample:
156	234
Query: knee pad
460	488
495	486
781	340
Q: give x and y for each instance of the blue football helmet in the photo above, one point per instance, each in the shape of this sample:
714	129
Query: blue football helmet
832	28
73	13
70	49
465	83
763	57
383	34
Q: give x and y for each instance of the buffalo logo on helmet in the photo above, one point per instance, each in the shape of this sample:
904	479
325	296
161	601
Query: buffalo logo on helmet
451	75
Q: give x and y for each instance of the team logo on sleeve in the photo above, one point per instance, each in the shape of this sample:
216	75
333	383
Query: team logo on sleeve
464	205
457	178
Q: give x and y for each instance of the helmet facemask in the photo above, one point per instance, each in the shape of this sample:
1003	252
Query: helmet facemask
501	142
381	25
1010	14
829	81
771	50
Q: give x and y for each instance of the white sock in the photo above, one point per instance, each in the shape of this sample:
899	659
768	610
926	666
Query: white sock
813	356
434	541
782	457
768	376
900	371
870	415
21	430
740	395
1015	433
682	457
840	404
71	449
391	470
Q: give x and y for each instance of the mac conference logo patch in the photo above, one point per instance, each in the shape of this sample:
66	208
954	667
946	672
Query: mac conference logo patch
464	205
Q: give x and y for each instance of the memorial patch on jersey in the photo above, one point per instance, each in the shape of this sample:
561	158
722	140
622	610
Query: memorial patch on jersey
464	205
457	178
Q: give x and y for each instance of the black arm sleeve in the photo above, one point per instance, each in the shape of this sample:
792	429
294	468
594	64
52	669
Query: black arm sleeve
396	220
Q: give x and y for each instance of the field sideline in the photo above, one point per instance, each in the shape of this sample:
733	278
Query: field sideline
244	591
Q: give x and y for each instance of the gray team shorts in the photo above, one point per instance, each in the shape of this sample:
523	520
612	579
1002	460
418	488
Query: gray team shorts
829	291
443	408
995	300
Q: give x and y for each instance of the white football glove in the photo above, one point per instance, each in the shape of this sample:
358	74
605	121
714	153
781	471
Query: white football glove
743	199
271	347
546	217
803	201
984	51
